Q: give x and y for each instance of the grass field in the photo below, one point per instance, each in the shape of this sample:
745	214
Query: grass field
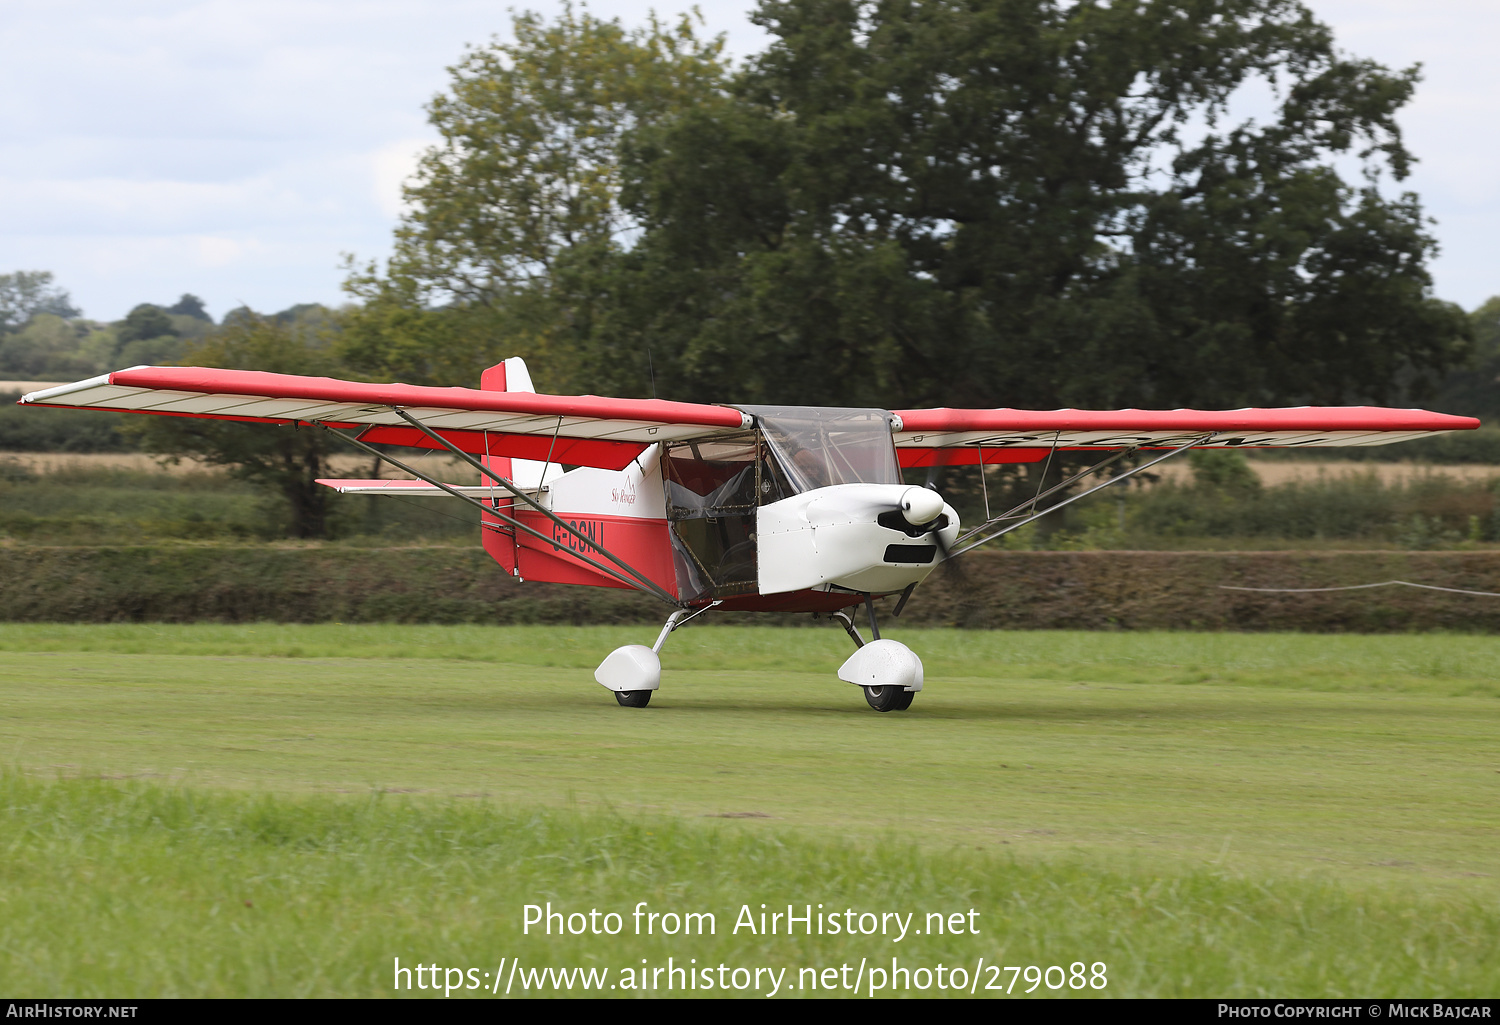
1208	814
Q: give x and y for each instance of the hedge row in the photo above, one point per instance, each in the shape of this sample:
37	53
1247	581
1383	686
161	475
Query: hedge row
1188	591
998	590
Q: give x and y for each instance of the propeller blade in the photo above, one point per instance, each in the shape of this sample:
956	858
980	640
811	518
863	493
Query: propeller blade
922	508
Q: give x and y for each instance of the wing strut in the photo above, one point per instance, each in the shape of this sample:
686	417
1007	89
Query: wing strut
1029	506
642	583
486	471
1022	518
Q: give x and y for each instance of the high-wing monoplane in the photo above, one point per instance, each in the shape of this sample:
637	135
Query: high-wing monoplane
724	507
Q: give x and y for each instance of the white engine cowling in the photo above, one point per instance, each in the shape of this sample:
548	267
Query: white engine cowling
832	536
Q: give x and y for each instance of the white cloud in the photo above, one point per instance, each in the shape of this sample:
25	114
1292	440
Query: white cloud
217	251
390	167
1447	124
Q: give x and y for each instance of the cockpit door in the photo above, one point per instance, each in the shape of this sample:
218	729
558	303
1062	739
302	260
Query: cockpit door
713	490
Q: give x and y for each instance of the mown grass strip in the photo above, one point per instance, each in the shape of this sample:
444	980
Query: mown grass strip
1438	664
1124	760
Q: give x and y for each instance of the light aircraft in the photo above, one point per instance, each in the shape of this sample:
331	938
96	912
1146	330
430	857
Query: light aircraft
727	507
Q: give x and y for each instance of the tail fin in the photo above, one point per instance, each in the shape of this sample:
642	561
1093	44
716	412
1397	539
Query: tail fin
508	375
512	375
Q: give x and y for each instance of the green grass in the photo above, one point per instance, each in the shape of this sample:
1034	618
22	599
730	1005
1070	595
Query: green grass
108	504
157	892
1432	664
1209	814
112	505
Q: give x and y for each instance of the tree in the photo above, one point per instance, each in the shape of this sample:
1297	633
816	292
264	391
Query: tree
24	294
146	321
521	196
190	306
1474	390
1030	203
47	348
286	459
147	337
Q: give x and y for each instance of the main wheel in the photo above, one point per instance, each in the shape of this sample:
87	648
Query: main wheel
633	698
888	699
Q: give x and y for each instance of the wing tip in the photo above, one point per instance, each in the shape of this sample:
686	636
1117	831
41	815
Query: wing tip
55	391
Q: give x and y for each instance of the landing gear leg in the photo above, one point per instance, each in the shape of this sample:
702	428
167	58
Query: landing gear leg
847	622
887	671
634	671
870	610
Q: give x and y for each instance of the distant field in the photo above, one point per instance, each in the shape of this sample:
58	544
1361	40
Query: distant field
127	497
1274	473
27	386
52	463
1209	814
116	497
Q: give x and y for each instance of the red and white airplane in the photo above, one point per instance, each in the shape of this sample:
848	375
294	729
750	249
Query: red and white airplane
753	508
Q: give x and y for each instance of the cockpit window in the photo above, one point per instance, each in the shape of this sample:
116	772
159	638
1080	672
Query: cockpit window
715	485
713	488
814	447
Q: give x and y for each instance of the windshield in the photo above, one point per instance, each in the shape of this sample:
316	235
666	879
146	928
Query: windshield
815	447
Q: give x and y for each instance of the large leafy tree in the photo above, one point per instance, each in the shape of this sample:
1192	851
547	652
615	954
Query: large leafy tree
286	460
25	294
521	198
1030	203
1474	390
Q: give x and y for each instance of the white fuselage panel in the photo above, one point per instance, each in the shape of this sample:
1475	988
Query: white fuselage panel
832	536
635	491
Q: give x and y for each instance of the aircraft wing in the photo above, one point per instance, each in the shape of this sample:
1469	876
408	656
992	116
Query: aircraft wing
951	437
580	430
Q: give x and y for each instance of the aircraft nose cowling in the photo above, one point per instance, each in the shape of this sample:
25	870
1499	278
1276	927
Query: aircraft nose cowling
857	536
921	505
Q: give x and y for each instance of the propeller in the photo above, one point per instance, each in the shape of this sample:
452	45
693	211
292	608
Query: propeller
933	473
922	508
919	513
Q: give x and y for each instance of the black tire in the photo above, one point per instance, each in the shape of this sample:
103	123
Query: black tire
633	698
888	699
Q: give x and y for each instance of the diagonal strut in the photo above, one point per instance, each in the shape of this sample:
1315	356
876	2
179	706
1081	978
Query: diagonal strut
486	471
651	586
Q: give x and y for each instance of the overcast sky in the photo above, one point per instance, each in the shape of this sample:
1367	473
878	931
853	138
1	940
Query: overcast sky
236	148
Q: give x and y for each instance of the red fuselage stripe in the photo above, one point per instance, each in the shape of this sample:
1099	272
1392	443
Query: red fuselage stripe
967	455
606	455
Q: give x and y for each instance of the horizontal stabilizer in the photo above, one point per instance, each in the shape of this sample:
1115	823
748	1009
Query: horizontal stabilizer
416	487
